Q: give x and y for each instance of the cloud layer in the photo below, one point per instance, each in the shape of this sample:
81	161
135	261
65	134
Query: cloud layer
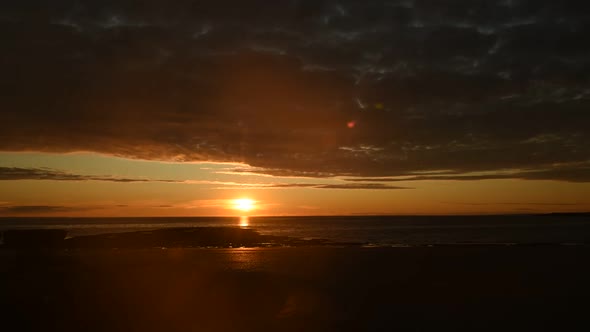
17	173
314	88
38	209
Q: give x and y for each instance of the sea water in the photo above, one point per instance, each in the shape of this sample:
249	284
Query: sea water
369	230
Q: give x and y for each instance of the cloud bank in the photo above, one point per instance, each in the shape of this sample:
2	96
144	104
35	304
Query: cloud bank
38	209
314	88
17	173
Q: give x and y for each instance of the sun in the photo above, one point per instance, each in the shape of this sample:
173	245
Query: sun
244	204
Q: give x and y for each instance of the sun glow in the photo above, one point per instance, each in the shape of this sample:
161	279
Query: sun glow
244	204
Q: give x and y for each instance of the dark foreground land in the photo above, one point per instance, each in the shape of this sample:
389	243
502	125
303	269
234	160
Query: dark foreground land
308	288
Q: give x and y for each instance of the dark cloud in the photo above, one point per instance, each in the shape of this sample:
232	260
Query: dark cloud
334	186
461	85
568	173
16	173
360	186
34	209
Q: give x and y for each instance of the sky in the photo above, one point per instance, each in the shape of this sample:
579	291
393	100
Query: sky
306	107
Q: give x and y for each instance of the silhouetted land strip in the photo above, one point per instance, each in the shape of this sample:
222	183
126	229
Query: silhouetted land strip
567	214
189	237
36	238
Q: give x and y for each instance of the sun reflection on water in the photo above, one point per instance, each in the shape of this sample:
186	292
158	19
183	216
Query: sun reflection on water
244	221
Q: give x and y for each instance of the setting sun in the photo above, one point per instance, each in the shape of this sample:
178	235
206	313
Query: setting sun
244	204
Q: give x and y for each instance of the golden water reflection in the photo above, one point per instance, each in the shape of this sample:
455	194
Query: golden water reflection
244	221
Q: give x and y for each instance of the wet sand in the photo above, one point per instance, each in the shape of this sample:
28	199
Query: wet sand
508	288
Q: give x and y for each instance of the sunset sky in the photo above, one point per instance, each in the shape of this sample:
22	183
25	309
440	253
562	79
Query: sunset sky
146	108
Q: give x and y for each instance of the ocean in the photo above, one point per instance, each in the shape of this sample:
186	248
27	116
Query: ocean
369	230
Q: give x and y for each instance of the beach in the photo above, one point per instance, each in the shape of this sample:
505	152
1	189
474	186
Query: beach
310	288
